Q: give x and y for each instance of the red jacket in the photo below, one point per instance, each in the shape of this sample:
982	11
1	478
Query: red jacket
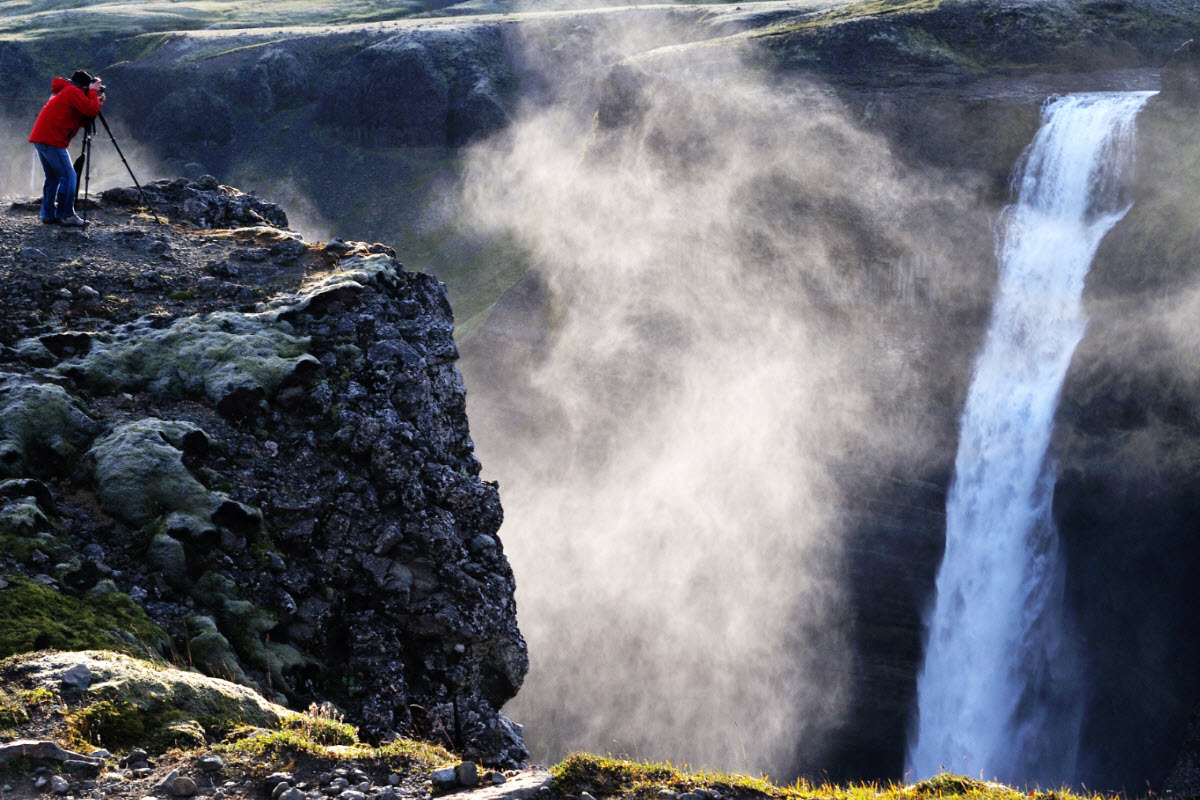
64	113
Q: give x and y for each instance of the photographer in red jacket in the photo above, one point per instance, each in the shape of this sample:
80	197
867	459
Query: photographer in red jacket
71	104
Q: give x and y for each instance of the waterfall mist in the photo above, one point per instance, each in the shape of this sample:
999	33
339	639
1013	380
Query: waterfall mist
731	285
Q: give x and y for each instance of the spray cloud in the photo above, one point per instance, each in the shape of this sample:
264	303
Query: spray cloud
731	285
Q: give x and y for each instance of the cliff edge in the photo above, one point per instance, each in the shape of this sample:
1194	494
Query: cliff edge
232	450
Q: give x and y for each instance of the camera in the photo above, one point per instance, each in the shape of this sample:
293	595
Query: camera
84	80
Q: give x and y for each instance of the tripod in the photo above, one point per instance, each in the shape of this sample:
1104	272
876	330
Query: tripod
83	165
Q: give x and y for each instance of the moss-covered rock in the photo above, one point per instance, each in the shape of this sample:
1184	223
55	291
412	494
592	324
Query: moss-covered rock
23	518
211	653
26	507
41	427
140	472
247	626
141	478
166	554
132	701
38	617
237	361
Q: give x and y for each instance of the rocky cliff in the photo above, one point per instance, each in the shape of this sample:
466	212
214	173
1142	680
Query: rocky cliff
259	448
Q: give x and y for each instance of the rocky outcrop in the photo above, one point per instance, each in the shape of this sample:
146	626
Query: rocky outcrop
1181	76
288	490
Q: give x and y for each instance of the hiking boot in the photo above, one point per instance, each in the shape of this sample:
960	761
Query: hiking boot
72	222
48	220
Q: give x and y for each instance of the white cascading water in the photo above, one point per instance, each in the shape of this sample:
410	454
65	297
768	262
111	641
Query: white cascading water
999	695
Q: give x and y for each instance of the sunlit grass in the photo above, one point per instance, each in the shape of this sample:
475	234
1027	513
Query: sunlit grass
603	776
854	11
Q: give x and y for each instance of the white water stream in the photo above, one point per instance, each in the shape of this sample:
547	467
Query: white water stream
1000	693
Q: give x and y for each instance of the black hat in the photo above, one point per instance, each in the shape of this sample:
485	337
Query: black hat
81	79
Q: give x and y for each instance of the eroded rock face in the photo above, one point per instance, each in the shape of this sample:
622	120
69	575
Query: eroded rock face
289	489
1127	438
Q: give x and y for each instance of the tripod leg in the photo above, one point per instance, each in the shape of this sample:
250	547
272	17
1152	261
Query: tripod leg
129	169
87	173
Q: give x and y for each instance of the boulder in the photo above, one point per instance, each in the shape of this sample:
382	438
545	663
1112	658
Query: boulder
147	685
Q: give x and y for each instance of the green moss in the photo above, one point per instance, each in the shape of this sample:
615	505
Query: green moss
247	626
115	725
25	527
182	295
413	754
141	475
166	554
229	358
23	518
38	418
121	725
39	696
211	653
317	734
946	785
39	618
322	728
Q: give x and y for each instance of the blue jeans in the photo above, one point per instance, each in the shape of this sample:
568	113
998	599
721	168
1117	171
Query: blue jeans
58	193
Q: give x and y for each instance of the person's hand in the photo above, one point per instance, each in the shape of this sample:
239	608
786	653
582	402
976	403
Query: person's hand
95	84
102	98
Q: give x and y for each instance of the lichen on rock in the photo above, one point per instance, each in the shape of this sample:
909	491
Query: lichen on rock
236	361
135	701
41	426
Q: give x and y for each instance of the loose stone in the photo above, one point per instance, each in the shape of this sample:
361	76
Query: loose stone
467	774
443	779
210	763
183	786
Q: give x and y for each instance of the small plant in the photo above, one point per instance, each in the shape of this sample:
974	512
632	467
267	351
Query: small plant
108	724
11	712
38	697
324	725
182	295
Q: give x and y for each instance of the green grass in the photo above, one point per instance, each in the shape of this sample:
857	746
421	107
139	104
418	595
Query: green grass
320	735
603	776
857	11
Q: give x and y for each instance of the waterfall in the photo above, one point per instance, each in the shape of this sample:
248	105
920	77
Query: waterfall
1000	692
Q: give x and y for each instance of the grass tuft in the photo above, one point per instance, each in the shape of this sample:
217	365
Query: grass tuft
604	776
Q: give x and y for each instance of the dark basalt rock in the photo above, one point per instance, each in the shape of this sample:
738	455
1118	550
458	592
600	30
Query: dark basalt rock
289	491
1181	75
204	203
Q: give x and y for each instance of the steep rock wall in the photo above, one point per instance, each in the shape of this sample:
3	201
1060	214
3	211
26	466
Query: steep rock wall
1128	442
287	486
